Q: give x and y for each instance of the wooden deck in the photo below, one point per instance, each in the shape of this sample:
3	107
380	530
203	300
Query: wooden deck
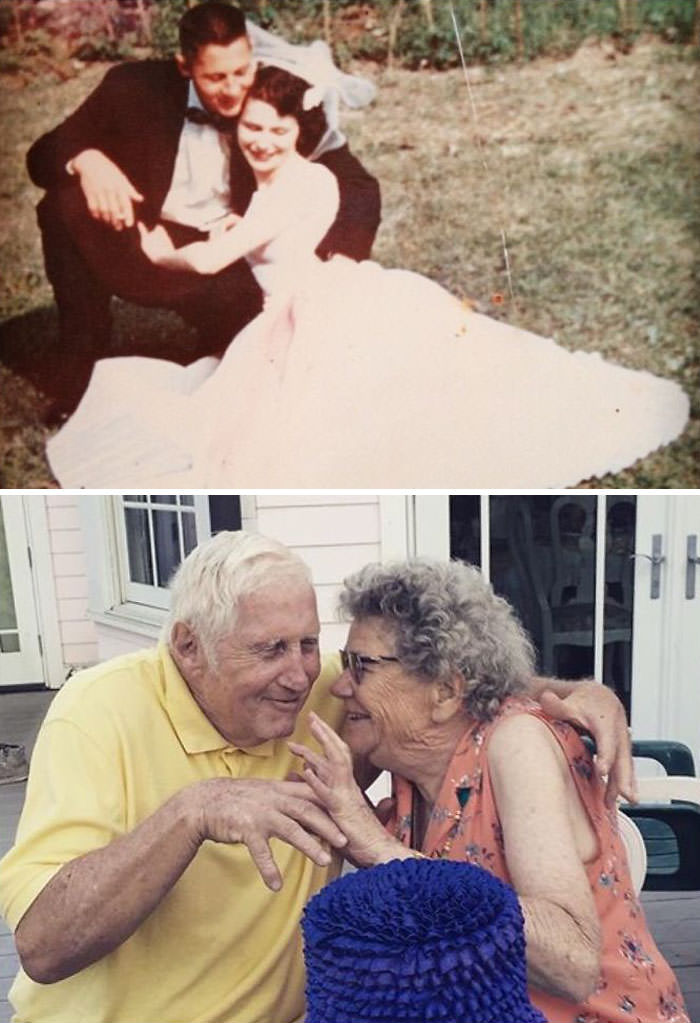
674	917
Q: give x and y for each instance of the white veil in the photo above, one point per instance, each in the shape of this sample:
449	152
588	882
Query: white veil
314	63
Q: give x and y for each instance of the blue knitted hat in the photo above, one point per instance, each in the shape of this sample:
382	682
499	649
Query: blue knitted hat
416	941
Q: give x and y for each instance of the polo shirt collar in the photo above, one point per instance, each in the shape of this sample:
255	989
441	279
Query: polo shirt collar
193	728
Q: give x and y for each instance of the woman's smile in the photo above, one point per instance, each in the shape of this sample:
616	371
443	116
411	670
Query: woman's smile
261	154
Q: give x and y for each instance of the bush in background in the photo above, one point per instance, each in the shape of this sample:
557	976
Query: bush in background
409	33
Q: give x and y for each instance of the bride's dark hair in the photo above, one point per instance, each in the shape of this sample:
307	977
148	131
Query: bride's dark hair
285	92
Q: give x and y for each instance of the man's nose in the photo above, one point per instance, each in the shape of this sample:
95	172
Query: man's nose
232	86
295	674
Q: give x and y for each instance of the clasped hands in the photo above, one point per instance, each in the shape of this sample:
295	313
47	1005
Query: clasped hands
158	247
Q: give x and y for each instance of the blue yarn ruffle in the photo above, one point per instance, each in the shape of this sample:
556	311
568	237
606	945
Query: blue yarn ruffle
416	941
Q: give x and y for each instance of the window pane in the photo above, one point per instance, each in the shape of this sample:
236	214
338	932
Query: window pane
465	529
9	643
189	533
167	543
8	614
224	512
620	529
138	545
161	529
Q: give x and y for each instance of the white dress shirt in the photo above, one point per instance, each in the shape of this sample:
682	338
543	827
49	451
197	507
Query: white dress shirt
200	191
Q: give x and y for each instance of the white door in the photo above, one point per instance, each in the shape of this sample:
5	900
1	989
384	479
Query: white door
666	656
579	569
20	646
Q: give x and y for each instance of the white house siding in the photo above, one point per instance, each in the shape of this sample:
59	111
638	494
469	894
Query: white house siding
79	641
335	535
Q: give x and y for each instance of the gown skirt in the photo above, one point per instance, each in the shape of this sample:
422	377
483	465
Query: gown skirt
367	377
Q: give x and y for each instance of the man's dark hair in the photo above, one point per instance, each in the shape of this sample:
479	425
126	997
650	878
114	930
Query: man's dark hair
210	22
285	92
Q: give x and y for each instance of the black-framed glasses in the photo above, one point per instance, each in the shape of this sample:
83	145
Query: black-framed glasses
356	664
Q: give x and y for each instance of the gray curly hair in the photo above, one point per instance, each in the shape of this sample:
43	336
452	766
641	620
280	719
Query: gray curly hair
447	618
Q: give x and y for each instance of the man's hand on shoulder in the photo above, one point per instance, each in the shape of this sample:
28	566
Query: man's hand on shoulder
596	709
254	811
109	194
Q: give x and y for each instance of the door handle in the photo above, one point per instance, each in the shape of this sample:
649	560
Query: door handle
692	561
657	559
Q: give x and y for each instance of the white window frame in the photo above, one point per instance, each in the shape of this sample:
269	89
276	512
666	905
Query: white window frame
150	594
113	600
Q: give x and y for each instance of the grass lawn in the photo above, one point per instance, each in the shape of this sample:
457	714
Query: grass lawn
587	167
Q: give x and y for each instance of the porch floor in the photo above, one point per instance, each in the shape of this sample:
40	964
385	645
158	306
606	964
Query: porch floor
674	917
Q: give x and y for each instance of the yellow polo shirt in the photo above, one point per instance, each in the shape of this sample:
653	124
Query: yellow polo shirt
118	741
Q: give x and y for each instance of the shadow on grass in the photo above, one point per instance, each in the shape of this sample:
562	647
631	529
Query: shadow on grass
31	369
29	350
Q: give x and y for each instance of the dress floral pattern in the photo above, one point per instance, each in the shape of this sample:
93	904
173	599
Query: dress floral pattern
636	984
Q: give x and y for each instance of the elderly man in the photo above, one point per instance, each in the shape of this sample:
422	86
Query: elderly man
156	140
163	857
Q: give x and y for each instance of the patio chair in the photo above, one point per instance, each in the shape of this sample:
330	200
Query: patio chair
668	817
635	848
675	757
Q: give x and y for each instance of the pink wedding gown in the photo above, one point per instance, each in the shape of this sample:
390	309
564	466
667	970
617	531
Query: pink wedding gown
360	376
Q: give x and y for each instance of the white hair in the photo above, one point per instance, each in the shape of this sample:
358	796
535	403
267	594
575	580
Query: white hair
208	585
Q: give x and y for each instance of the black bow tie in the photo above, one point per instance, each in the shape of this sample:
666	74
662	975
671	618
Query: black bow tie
218	121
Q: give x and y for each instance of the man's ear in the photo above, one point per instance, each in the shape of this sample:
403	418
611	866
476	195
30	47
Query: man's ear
182	65
186	648
448	698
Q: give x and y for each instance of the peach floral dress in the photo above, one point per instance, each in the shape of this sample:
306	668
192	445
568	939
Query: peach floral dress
636	984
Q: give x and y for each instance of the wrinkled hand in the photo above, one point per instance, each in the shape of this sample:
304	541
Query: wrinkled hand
595	708
156	244
254	811
330	776
109	194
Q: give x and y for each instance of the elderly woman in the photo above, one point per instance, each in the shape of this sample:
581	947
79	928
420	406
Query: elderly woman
436	679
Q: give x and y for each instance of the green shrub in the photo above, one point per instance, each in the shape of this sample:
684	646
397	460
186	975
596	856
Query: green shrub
489	30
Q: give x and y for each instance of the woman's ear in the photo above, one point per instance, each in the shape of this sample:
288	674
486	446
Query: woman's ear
448	698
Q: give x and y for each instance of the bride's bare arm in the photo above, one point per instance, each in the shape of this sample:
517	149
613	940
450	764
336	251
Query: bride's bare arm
262	222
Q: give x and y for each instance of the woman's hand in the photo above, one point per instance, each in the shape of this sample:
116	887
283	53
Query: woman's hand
330	777
156	244
199	257
229	221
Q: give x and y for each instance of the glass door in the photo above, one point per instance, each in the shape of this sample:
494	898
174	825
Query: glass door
607	584
565	563
666	656
20	646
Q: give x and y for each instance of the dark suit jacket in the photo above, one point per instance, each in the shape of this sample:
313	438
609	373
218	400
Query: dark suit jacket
135	117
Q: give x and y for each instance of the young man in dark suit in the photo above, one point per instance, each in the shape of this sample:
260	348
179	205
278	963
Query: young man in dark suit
155	141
